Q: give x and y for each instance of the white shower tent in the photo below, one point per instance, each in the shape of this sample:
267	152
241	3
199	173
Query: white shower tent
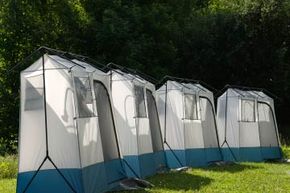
67	133
137	123
187	118
247	125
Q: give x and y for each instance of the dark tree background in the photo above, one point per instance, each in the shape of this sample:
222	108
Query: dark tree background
243	42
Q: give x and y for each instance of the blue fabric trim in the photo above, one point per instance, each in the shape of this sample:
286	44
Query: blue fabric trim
144	165
271	152
99	177
175	158
197	157
254	154
48	181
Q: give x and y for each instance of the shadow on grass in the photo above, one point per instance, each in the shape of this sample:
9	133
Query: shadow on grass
179	181
232	168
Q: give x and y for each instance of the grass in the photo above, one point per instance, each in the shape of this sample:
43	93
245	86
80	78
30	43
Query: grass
8	173
236	178
7	185
8	167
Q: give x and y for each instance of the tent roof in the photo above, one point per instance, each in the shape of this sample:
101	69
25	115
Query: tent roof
184	87
247	92
255	94
133	77
134	72
57	62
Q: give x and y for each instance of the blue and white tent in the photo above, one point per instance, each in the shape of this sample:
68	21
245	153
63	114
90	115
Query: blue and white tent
137	123
67	133
247	125
187	118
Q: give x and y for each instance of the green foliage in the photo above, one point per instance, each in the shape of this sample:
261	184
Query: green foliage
8	185
243	42
286	152
8	167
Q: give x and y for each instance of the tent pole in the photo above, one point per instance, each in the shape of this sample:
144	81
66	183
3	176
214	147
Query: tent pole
226	117
132	170
35	174
66	181
165	113
174	154
45	106
231	150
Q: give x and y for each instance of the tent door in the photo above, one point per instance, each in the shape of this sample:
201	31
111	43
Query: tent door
249	141
209	130
154	125
193	136
111	154
268	135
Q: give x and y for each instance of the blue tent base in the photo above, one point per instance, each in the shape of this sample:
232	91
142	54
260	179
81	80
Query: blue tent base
145	165
252	154
99	177
197	157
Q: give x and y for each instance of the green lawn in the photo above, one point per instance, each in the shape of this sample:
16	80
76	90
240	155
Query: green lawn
237	178
240	178
7	185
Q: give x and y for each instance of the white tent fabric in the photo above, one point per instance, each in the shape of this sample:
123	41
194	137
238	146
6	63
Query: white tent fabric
187	118
247	125
67	135
137	123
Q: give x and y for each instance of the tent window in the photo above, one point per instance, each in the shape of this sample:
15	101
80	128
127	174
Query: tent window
247	110
33	93
264	113
190	103
140	101
84	97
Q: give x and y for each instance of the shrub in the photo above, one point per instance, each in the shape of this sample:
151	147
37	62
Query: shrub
286	151
8	167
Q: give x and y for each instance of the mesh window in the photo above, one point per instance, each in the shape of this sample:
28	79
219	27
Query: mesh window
84	96
247	110
140	101
105	117
190	107
267	127
154	122
33	93
264	113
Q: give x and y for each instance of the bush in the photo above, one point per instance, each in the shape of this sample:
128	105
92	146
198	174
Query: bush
8	147
8	167
286	151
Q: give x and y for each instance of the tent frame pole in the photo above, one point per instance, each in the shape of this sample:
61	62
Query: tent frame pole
226	117
165	112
